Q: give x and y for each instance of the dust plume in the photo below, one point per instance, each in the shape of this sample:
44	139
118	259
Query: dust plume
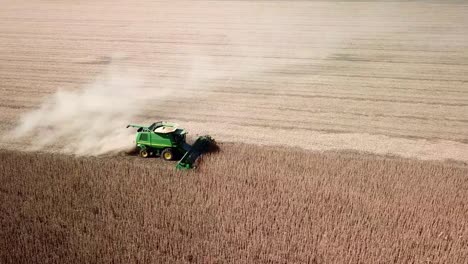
92	120
88	121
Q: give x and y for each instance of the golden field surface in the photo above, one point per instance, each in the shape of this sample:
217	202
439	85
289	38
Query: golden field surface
382	77
342	127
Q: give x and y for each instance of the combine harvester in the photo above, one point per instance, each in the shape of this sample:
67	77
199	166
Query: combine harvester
166	140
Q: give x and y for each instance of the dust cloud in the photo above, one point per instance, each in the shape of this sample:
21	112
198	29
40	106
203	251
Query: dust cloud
92	120
88	121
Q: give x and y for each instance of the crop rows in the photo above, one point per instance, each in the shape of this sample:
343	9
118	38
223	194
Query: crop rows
245	204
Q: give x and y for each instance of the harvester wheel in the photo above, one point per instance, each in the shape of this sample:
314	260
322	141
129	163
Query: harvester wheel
167	154
144	153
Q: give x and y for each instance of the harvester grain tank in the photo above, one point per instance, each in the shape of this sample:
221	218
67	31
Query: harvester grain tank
168	141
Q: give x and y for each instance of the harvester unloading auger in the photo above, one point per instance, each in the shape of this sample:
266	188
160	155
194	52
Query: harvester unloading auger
166	140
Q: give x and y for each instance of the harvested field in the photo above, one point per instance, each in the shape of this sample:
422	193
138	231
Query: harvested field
383	77
280	206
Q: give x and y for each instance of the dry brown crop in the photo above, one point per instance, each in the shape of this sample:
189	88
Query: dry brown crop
245	204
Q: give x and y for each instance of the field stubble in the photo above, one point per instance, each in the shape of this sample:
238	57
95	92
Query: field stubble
383	77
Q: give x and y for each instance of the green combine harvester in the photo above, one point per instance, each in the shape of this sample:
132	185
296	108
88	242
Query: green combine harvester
166	140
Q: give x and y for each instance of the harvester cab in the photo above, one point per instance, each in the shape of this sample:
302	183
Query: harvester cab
168	141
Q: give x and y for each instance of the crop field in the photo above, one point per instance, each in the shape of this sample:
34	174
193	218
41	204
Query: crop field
327	208
342	125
